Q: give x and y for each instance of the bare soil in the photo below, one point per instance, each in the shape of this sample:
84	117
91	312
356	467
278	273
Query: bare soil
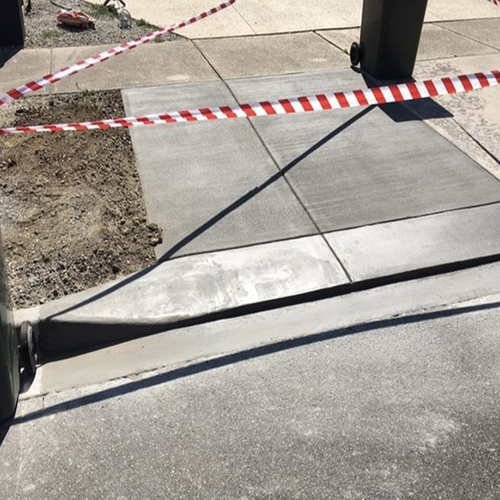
72	211
42	29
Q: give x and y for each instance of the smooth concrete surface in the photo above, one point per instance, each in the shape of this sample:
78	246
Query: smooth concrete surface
19	67
149	64
227	22
486	31
408	245
272	54
449	10
229	336
293	15
249	17
435	42
209	185
187	288
475	115
403	408
356	167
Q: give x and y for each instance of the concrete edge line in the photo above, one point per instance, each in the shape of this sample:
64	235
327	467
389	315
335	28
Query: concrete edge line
62	338
234	339
206	287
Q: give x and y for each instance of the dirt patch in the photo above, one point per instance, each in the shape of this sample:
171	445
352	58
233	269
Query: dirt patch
72	209
42	29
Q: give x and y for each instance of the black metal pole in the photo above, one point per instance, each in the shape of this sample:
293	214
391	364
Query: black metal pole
12	31
390	36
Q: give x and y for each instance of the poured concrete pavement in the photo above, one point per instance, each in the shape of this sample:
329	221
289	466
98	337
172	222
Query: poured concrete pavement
273	210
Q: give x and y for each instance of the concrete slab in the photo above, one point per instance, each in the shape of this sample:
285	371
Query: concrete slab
486	31
424	242
271	54
293	15
19	67
435	42
475	126
461	9
188	288
150	64
351	168
180	346
250	16
209	185
164	13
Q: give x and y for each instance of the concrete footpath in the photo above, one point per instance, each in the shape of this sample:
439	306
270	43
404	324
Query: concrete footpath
267	211
326	296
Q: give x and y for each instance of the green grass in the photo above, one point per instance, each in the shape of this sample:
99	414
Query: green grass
51	33
99	10
145	24
86	93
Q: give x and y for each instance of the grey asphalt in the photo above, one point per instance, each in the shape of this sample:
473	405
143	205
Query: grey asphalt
402	408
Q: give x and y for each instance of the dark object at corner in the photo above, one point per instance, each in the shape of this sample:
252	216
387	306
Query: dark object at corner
12	32
16	351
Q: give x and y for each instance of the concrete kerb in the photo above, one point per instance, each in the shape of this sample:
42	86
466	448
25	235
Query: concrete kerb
83	322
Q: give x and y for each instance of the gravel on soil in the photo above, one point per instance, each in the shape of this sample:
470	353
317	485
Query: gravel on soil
72	211
42	29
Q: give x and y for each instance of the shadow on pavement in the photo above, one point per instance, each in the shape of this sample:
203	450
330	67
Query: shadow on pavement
421	109
4	428
204	366
7	53
223	213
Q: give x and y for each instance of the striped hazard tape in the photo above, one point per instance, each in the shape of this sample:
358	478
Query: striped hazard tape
52	78
320	102
495	2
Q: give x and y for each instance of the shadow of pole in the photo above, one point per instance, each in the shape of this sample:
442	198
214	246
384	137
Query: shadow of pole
7	53
223	213
256	352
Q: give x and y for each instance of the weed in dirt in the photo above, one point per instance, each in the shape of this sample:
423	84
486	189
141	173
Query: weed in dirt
144	24
86	93
103	10
51	34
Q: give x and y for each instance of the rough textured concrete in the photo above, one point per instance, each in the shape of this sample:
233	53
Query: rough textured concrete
406	408
356	167
187	288
486	31
408	245
209	185
150	64
17	68
475	115
270	55
228	336
435	42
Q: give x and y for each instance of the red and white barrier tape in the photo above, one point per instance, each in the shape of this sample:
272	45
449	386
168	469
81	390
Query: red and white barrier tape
52	78
495	2
320	102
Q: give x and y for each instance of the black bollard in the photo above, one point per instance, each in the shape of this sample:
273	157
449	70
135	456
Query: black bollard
390	35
